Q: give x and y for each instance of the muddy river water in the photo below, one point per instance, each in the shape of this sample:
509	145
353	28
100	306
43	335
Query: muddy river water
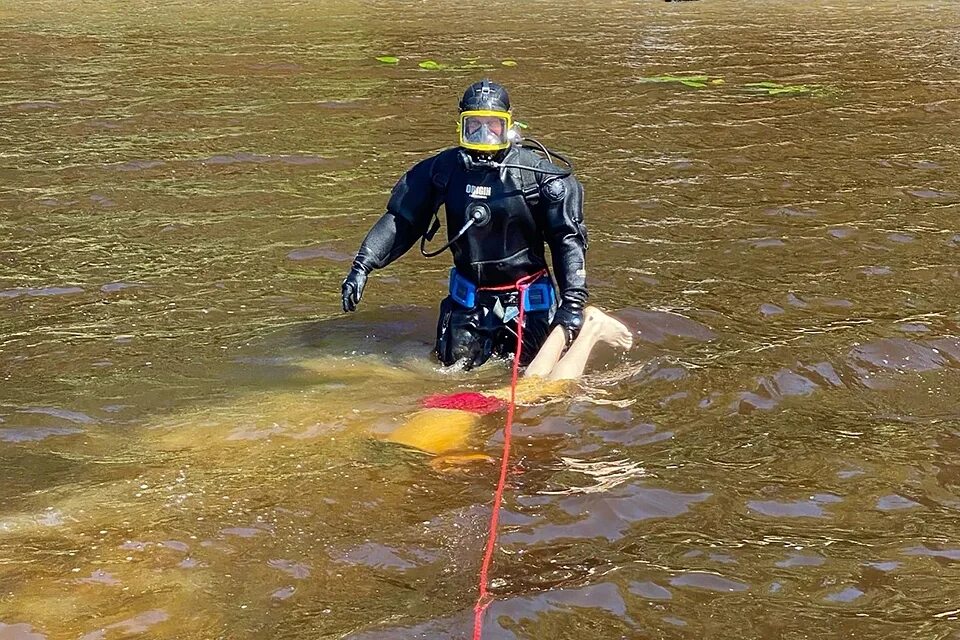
189	426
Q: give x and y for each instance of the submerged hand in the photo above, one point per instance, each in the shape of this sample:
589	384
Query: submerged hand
351	290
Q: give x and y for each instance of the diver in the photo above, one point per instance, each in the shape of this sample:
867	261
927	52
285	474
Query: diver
504	204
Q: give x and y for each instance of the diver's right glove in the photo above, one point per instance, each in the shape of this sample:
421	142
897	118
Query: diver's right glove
351	290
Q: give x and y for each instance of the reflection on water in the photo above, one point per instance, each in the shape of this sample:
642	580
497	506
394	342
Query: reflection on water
195	444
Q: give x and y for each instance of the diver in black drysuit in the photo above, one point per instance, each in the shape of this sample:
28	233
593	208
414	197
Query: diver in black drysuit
503	206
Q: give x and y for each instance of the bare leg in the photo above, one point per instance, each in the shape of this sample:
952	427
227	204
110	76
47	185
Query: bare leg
597	327
549	367
549	354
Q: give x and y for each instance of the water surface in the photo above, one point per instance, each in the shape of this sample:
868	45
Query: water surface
188	425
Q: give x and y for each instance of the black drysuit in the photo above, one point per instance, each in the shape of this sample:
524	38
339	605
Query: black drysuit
528	210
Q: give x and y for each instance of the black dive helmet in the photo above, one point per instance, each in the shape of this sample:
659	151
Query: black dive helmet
485	125
489	102
485	95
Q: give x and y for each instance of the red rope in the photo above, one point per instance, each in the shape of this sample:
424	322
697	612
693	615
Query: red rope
526	280
485	599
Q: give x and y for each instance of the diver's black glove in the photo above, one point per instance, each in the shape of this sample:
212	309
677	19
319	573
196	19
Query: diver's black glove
570	317
351	289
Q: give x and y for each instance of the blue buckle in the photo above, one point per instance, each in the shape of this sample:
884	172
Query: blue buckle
462	290
539	296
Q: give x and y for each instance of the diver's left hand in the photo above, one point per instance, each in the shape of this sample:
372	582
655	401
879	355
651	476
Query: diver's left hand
570	317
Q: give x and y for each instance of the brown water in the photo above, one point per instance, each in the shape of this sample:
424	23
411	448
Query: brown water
187	422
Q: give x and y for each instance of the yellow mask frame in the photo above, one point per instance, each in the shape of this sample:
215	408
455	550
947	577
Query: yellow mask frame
476	146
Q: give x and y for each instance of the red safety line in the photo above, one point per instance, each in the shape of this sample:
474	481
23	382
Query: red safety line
516	285
485	599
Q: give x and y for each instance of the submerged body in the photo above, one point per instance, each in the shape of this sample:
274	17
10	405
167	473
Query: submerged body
447	422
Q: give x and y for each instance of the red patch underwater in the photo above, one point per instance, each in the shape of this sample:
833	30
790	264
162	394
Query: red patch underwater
465	401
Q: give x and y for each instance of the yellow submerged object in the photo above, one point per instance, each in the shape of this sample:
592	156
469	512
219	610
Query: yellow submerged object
436	431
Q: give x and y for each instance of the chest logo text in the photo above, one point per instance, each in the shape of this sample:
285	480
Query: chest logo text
475	191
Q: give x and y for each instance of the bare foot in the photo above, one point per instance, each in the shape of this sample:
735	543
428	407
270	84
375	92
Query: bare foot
609	329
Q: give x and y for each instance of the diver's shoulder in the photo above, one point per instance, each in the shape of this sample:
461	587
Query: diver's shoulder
449	154
432	163
440	161
528	156
535	160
